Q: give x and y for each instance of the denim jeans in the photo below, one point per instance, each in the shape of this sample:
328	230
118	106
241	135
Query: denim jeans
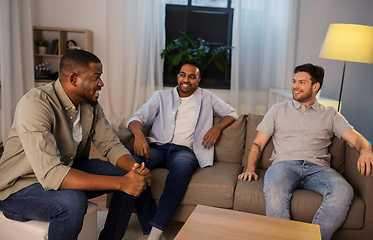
181	163
65	209
283	177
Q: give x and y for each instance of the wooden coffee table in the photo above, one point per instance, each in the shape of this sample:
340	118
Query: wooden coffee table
215	223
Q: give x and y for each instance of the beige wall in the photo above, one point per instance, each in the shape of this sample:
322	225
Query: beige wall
314	19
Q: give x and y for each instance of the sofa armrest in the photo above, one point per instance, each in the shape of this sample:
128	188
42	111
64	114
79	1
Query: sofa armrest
363	185
127	139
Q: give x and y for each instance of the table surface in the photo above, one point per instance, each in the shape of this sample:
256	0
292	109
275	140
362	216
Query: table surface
215	223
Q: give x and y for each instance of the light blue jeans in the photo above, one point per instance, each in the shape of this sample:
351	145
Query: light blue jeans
283	177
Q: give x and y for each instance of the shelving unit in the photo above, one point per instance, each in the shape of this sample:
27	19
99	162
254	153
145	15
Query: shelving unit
82	38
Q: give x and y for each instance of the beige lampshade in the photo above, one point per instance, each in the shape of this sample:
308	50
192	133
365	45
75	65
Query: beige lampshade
348	42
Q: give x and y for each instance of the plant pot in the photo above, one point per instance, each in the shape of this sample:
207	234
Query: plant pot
42	50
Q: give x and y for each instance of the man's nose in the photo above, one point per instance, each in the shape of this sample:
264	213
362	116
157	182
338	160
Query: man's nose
100	83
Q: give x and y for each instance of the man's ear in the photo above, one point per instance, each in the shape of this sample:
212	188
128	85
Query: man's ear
316	86
73	79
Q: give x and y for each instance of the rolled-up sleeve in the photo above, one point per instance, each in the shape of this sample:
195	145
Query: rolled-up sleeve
148	111
223	109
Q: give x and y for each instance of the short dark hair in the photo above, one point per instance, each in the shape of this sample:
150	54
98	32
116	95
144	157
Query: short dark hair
316	72
193	62
77	58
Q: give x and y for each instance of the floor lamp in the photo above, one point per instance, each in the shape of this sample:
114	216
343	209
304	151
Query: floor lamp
348	42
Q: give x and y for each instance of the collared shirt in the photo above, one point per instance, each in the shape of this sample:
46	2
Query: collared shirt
40	144
162	108
301	133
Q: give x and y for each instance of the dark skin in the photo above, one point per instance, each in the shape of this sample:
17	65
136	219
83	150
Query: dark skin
188	80
82	85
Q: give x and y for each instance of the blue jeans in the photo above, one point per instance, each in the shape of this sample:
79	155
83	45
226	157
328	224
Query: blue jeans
65	209
283	177
181	163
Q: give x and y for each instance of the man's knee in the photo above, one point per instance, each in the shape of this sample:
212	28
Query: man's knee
74	204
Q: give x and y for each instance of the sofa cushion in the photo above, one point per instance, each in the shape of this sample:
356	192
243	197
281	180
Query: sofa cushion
252	123
230	145
212	186
249	197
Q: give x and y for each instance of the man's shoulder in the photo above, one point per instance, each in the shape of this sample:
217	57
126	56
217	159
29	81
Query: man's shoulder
40	92
280	106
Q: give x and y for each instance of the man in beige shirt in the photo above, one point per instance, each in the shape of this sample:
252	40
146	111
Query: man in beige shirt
46	173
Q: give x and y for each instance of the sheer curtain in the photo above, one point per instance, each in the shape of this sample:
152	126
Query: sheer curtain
16	59
135	40
263	54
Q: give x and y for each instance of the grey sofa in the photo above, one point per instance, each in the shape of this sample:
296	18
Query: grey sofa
218	185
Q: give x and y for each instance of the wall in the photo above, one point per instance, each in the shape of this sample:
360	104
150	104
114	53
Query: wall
86	14
314	19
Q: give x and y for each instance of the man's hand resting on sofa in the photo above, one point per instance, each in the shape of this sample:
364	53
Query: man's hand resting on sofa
212	135
248	176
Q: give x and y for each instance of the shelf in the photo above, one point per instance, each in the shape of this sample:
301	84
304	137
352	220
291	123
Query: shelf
82	38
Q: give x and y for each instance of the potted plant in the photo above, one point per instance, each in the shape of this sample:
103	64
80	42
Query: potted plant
42	45
180	49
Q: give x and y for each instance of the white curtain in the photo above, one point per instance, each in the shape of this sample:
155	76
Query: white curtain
16	58
263	54
135	40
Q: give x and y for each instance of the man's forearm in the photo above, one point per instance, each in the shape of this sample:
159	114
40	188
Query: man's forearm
126	162
79	180
136	128
254	156
225	122
363	145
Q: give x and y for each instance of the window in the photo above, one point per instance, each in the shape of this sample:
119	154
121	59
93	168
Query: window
208	19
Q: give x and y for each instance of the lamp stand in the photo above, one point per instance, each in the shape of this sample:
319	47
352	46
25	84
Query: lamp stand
340	92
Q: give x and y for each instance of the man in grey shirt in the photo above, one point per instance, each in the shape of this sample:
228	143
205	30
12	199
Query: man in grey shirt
302	130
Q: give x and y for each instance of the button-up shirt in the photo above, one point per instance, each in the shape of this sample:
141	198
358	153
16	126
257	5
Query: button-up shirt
301	133
40	145
161	110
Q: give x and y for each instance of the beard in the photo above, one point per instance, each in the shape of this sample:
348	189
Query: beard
305	96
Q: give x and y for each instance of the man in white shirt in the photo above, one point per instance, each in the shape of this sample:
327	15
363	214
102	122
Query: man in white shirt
182	139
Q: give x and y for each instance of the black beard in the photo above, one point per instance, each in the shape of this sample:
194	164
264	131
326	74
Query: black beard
92	103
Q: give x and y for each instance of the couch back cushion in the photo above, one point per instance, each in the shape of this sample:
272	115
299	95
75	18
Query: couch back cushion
338	152
230	145
337	149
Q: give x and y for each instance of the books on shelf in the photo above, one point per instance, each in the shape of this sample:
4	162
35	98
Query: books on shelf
53	48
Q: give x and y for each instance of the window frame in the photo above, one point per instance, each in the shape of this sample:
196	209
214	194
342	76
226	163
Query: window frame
169	79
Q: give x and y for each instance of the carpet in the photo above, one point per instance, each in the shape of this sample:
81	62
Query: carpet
134	232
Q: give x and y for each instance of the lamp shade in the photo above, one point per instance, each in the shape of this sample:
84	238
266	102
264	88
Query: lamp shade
348	42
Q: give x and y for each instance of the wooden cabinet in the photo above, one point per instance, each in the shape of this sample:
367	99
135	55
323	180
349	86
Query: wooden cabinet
81	37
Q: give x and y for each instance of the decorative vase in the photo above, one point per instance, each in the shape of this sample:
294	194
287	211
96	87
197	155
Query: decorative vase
42	50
